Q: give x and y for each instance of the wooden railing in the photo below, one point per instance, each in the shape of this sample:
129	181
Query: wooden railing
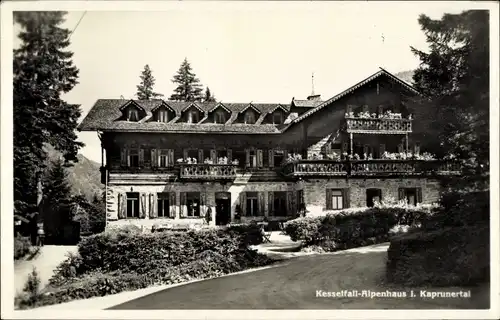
378	125
369	167
208	171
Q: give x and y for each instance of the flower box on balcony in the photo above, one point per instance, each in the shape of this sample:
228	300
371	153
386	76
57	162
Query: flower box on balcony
205	171
378	125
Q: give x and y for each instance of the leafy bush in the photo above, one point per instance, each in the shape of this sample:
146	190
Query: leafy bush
355	227
22	246
31	290
250	233
447	257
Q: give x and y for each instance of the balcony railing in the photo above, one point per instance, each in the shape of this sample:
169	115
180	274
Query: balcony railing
208	171
378	125
375	167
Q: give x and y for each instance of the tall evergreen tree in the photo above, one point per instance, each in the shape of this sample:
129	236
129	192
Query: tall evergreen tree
208	96
145	88
43	72
188	86
454	77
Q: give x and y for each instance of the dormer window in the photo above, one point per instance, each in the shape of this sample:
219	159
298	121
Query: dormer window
220	117
249	118
133	114
163	116
277	118
193	116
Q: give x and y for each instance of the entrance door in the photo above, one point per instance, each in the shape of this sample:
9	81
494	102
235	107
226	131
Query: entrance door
373	196
222	208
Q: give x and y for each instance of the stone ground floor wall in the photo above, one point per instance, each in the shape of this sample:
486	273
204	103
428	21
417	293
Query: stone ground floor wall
314	194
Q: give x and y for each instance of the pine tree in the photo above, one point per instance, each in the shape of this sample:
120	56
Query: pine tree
189	87
208	96
454	77
57	198
43	72
145	88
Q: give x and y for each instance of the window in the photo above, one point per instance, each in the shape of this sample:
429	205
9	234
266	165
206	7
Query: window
193	203
220	117
163	116
253	158
191	154
252	209
249	117
193	117
132	205
280	203
373	196
278	157
222	156
411	196
134	158
337	200
164	160
163	204
133	115
277	118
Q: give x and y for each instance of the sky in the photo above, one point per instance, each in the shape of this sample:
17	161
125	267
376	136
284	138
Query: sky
260	52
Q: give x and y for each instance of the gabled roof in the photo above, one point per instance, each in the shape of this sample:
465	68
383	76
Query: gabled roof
133	103
219	105
279	106
163	104
381	72
250	105
194	104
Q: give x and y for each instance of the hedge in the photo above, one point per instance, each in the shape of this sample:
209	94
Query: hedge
116	261
22	246
354	227
449	257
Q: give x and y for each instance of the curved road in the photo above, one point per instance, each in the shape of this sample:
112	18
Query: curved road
293	285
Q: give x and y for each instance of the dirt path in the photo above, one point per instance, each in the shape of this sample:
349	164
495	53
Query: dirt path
45	263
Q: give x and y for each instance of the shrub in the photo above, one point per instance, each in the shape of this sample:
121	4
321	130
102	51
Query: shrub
249	234
448	257
22	246
304	228
31	291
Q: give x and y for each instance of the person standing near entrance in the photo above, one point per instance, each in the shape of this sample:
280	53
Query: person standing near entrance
40	235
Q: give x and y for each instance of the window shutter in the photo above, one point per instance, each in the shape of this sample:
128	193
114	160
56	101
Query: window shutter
260	160
213	155
400	148
170	153
183	205
271	158
185	155
154	158
247	160
243	204
172	204
124	161
366	149
401	193
346	197
262	203
153	203
142	205
141	157
289	204
419	195
382	149
229	156
202	205
328	199
417	148
200	156
128	157
270	203
122	206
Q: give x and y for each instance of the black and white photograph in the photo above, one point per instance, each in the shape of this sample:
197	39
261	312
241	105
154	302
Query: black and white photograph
250	159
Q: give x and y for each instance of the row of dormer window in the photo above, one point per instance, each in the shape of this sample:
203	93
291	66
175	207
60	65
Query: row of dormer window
193	116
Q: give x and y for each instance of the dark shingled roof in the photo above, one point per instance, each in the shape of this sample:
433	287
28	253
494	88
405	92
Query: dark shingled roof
306	103
106	115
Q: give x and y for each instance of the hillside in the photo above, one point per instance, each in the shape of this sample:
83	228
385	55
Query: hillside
84	177
406	76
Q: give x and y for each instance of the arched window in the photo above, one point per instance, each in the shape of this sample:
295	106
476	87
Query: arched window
249	118
220	117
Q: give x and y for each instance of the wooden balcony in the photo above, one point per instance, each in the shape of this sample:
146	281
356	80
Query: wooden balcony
207	171
379	125
333	168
